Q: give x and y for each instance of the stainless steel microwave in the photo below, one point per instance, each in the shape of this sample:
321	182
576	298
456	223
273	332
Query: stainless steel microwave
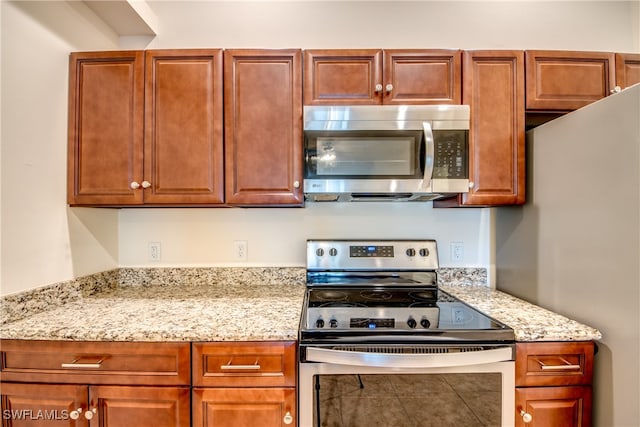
385	153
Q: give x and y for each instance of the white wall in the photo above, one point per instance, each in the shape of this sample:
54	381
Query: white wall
44	241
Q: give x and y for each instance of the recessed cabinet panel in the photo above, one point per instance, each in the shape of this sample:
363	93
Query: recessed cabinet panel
263	127
554	406
422	77
342	76
493	87
118	406
627	69
237	407
105	127
559	80
183	127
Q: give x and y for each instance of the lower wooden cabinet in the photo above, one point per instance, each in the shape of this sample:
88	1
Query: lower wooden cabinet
553	406
95	384
104	406
244	384
244	407
553	384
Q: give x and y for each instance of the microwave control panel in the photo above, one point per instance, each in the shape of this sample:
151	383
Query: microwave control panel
450	154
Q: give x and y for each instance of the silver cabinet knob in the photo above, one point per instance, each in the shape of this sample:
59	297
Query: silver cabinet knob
471	184
296	184
288	419
616	89
378	87
389	87
146	184
134	185
74	415
526	417
89	414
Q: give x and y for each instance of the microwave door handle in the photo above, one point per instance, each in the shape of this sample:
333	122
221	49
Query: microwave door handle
428	155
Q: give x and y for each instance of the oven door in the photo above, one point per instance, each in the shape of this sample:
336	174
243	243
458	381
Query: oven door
398	387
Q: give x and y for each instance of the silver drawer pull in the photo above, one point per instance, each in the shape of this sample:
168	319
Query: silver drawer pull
253	367
566	367
75	364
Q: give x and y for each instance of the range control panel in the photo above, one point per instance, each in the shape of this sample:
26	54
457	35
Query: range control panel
372	255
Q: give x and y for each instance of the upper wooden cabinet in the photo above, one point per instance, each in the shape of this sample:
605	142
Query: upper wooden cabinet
627	69
374	76
183	147
493	87
263	127
106	98
563	80
145	127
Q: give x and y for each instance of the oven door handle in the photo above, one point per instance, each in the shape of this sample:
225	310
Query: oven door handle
429	150
382	360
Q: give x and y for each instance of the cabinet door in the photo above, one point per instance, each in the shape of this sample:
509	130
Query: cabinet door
421	77
553	406
493	87
184	161
627	69
26	405
343	77
105	127
263	127
558	80
117	406
248	407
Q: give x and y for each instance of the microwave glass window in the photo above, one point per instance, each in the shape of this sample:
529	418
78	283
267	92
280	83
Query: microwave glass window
365	156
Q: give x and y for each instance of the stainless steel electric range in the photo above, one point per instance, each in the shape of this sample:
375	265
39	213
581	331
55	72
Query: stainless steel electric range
374	307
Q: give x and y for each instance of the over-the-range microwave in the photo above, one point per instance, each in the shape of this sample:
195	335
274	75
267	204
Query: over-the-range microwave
386	152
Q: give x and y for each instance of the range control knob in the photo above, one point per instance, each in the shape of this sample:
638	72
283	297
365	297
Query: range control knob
319	251
424	252
333	323
410	252
319	323
333	252
425	323
411	322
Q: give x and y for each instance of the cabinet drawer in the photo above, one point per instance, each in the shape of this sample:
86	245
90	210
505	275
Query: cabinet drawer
554	363
245	364
85	362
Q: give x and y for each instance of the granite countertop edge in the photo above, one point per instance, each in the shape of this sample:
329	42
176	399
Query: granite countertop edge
219	304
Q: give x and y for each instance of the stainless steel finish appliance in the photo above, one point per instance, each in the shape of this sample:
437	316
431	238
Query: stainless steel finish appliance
374	307
385	153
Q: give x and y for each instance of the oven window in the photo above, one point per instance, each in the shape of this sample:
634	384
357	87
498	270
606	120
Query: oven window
455	399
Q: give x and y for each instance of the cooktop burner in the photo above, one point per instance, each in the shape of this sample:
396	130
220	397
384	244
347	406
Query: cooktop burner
397	297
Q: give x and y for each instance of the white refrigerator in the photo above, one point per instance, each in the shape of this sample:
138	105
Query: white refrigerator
574	247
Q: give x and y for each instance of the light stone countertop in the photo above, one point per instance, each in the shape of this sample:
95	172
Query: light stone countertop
234	307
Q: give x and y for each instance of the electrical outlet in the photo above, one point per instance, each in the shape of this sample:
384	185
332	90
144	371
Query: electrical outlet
155	251
457	251
240	248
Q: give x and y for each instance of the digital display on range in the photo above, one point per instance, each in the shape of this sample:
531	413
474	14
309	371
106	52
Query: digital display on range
371	251
371	323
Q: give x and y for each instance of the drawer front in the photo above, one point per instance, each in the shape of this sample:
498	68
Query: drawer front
245	364
554	363
96	362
